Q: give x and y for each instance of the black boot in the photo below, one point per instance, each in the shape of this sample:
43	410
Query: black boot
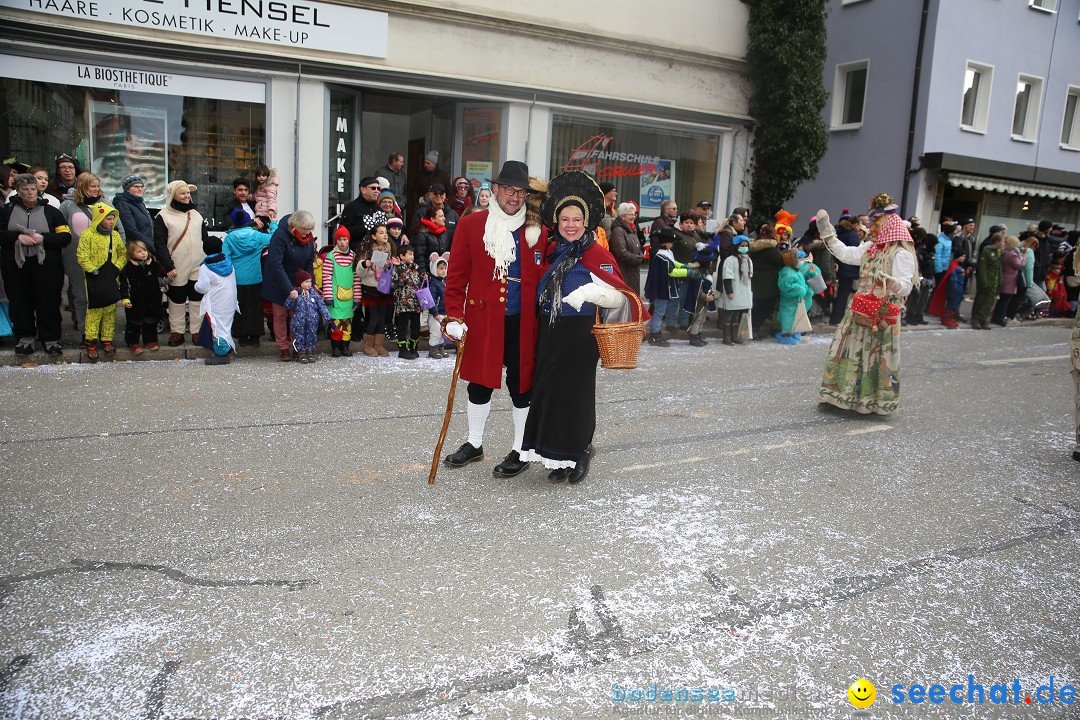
335	348
581	470
511	465
726	328
464	455
697	341
658	340
344	347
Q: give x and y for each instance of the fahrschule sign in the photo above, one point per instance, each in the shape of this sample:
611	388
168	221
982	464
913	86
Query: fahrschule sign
302	25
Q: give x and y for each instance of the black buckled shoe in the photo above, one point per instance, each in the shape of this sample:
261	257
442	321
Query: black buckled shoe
511	465
581	470
559	475
464	455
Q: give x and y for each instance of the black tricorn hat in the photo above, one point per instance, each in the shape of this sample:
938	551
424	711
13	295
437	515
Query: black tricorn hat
577	188
514	173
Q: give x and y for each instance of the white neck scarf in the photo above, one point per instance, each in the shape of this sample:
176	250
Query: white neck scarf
499	240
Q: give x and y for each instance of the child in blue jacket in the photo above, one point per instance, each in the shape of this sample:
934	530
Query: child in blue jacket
307	307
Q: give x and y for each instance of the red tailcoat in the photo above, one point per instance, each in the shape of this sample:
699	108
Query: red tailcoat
474	294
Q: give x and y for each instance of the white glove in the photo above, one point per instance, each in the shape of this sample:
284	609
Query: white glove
456	329
603	295
824	226
700	246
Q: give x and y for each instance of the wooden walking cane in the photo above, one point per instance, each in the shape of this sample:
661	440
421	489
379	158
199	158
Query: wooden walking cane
450	398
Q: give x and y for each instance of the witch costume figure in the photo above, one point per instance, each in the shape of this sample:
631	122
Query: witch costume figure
580	276
862	371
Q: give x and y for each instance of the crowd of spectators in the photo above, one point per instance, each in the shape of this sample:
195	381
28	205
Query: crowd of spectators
750	281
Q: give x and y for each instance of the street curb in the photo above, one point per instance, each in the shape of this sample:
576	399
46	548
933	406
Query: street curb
73	356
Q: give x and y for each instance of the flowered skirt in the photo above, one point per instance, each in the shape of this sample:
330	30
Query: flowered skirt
862	372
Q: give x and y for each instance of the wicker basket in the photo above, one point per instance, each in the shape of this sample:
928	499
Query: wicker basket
619	342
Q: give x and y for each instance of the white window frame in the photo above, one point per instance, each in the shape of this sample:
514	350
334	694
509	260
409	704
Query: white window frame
982	100
1040	5
839	94
1031	122
850	2
1074	133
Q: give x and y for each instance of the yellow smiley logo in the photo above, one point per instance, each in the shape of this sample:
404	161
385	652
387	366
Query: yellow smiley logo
862	693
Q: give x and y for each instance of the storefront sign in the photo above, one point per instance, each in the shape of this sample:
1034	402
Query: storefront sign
342	120
593	151
120	78
298	25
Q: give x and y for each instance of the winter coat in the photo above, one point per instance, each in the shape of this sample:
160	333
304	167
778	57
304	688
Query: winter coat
56	239
474	293
851	239
244	247
407	280
285	256
737	274
266	196
78	218
926	255
427	242
683	249
988	273
358	217
624	245
437	285
793	290
664	269
1011	264
1029	267
176	248
306	308
767	263
140	284
135	219
95	244
234	204
942	254
217	283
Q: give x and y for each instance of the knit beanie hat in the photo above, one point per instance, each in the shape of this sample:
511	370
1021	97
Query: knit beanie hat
132	180
342	232
211	245
239	218
432	157
387	194
300	276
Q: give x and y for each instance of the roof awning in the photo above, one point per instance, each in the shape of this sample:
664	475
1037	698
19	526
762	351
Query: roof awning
1011	187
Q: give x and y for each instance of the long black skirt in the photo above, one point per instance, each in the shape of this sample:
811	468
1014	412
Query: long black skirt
562	416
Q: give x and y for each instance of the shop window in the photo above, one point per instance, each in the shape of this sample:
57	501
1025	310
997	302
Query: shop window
1070	125
646	164
849	95
114	133
976	106
1025	122
481	143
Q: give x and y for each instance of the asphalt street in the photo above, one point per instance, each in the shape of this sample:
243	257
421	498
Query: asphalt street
259	541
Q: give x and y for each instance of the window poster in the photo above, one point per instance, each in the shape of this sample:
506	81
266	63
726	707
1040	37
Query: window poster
129	141
657	184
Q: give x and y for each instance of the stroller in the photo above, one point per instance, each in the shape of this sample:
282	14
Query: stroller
1032	305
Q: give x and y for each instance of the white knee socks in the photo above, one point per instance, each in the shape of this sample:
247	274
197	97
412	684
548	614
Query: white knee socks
478	415
194	316
176	317
520	416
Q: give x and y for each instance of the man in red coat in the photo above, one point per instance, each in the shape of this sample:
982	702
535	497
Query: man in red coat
491	284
